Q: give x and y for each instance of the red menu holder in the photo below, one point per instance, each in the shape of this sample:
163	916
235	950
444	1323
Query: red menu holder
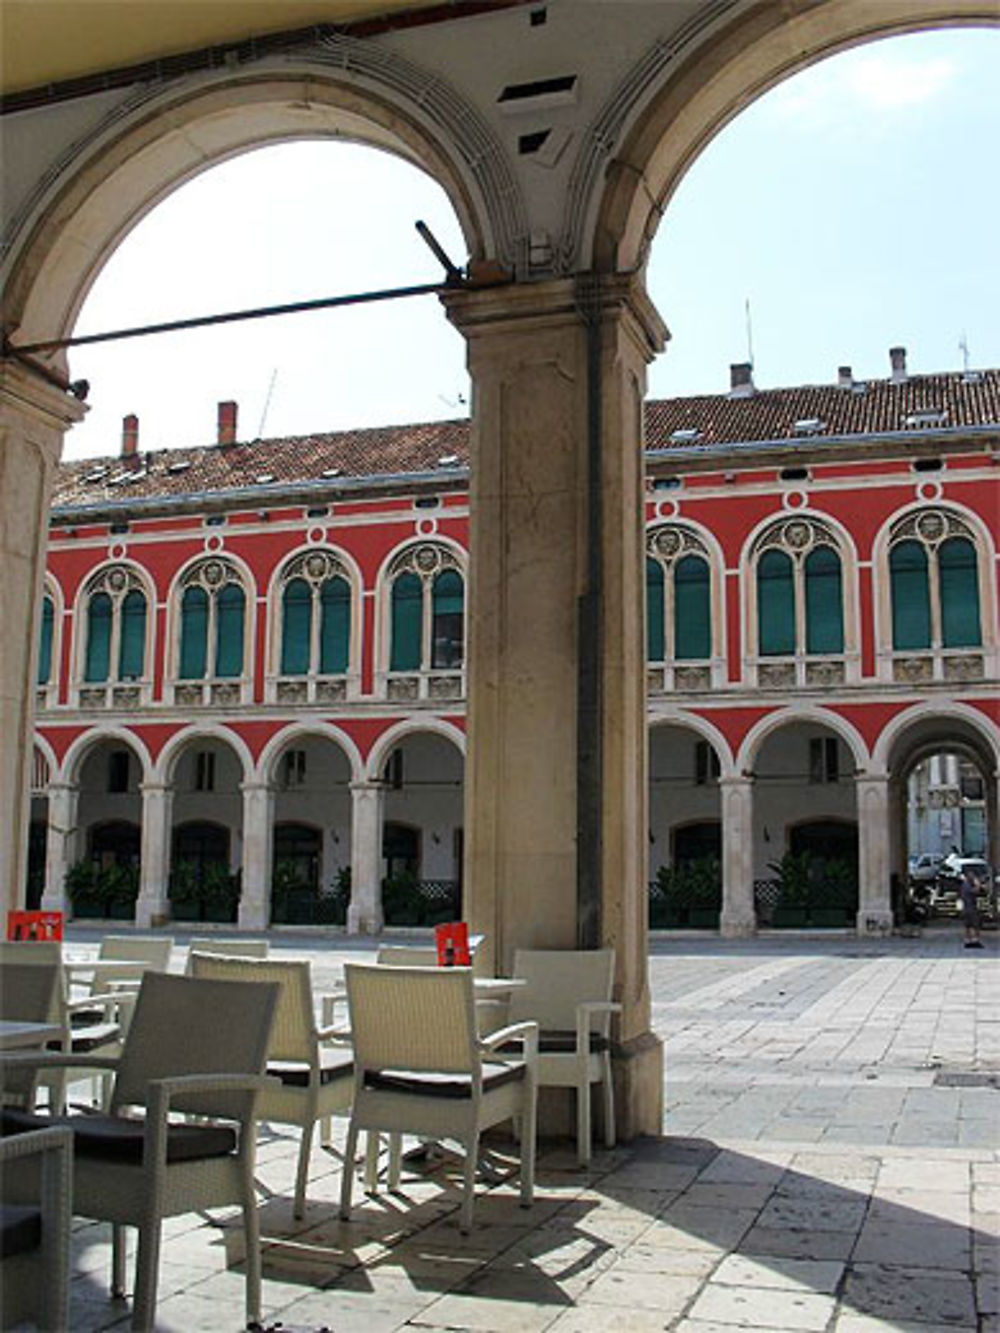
34	925
452	940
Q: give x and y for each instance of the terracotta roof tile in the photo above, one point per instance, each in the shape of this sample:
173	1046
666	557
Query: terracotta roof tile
869	408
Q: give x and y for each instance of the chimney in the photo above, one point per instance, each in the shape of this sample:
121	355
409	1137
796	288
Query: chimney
227	423
897	356
130	436
845	377
741	380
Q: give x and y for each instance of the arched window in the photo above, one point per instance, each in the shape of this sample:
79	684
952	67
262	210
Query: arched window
678	596
45	641
800	595
427	611
115	627
212	629
315	616
934	583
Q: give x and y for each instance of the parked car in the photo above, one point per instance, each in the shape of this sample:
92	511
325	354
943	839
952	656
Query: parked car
945	899
924	868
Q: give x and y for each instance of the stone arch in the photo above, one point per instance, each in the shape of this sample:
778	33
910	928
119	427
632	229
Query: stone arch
668	108
166	764
761	731
387	742
328	731
78	751
705	730
155	141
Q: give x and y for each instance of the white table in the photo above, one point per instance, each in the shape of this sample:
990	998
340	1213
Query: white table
15	1036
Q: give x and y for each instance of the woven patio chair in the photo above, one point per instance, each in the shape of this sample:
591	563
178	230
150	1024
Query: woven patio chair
195	1047
229	948
147	953
36	1179
314	1075
568	993
421	1068
29	993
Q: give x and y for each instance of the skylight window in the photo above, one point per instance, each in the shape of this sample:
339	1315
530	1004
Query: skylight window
927	416
809	426
263	478
685	435
330	472
448	460
181	465
96	474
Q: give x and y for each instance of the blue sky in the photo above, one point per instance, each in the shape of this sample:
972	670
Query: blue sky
856	207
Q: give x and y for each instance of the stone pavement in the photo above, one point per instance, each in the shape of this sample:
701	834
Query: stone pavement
829	1162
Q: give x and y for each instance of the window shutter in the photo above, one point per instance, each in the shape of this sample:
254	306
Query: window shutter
447	607
824	602
296	628
132	648
98	638
229	631
911	607
407	615
775	604
335	626
194	634
959	582
692	609
45	644
655	643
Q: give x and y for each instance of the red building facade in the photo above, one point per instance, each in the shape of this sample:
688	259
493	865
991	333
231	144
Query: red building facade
252	652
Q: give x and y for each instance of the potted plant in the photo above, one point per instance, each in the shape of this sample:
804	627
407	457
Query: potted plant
220	893
703	879
121	889
83	889
292	898
182	891
668	907
401	900
794	873
839	893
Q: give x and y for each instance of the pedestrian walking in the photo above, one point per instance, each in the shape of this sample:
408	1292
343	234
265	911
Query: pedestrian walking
968	890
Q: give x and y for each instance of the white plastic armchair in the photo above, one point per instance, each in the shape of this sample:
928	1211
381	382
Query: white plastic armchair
243	947
136	1171
568	993
421	1068
312	1065
36	1178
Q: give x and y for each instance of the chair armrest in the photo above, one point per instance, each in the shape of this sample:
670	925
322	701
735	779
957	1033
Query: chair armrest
334	1034
527	1032
55	1060
185	1083
584	1012
33	1141
328	1002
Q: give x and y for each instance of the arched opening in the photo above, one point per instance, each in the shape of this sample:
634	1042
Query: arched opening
204	848
422	832
685	829
805	828
201	881
311	855
104	879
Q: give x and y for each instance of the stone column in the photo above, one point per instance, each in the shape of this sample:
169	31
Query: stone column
556	795
364	916
739	915
60	844
34	416
153	907
258	840
874	884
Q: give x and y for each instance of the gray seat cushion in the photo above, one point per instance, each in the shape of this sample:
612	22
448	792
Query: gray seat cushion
112	1138
333	1065
553	1042
20	1229
455	1086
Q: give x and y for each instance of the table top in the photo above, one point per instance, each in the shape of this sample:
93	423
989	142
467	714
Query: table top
18	1036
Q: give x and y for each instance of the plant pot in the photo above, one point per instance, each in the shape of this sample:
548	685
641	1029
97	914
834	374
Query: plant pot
789	916
223	914
185	909
704	918
121	909
830	916
83	908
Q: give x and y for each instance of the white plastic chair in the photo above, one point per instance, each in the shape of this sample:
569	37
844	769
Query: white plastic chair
568	993
421	1068
36	1179
314	1078
137	1171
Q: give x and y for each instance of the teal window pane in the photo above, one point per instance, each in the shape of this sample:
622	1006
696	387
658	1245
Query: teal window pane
824	602
655	643
959	583
911	600
230	609
98	638
447	606
194	634
132	645
775	604
45	643
335	626
296	628
407	614
692	609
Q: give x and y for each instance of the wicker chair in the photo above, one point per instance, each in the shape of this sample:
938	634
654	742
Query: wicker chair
314	1077
421	1068
136	1172
29	993
228	948
36	1177
568	993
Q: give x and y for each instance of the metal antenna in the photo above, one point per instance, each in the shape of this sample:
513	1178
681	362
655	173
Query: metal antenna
749	334
267	403
963	347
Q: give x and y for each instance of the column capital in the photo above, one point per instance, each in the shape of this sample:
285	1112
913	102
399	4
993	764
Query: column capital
256	786
557	301
367	784
31	394
155	788
736	781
